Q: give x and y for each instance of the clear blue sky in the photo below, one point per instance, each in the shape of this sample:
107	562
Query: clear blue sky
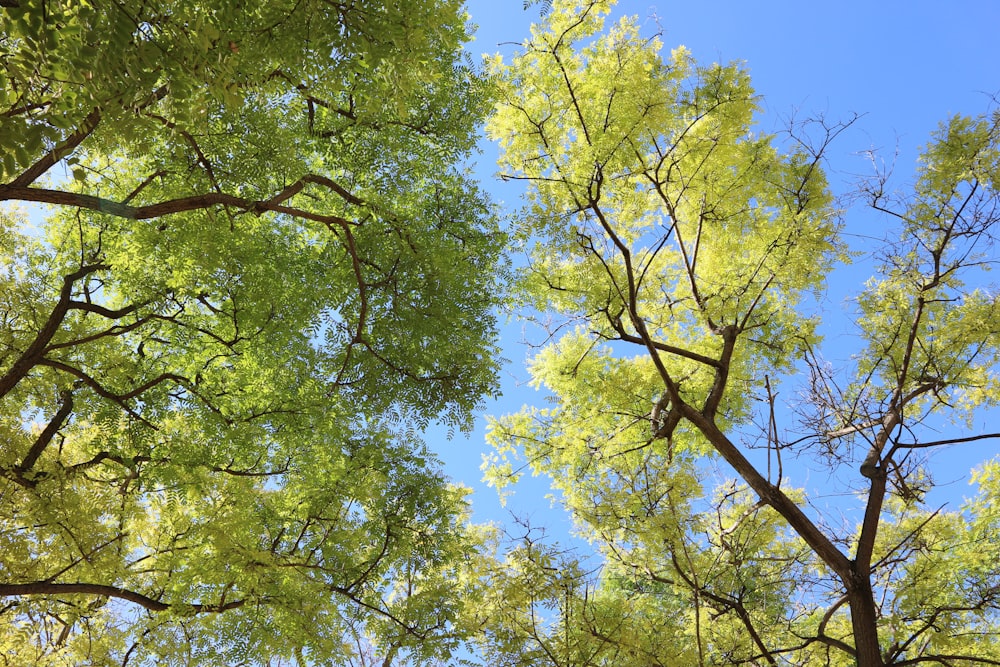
905	66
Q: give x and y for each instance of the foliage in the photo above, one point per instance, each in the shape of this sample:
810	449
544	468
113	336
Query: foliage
260	273
678	256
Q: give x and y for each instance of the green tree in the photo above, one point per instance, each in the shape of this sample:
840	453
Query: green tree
678	257
262	269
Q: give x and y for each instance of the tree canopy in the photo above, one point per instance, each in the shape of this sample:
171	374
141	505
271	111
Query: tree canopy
219	340
678	256
243	266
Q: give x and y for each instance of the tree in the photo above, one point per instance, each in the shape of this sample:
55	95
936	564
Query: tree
679	257
219	341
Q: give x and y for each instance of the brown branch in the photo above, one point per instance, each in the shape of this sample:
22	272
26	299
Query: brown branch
872	467
105	312
734	605
171	206
885	559
773	443
938	443
102	590
353	597
690	259
100	457
115	330
352	250
19	107
849	430
771	494
669	349
632	299
193	143
100	390
821	635
945	659
332	185
89	124
729	334
33	354
35	171
85	556
139	188
45	437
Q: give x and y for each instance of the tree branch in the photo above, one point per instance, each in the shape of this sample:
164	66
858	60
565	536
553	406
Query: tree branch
669	349
179	205
33	354
45	437
102	590
771	494
35	171
938	443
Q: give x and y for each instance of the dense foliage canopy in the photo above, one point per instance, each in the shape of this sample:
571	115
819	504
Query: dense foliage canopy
678	256
219	339
242	268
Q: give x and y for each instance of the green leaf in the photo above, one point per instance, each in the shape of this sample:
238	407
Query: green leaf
203	465
677	259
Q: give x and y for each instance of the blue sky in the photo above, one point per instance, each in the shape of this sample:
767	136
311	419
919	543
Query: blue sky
903	66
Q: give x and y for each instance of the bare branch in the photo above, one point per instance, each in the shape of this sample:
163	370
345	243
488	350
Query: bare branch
950	441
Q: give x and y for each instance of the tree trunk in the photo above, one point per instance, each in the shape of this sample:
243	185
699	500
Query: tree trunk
864	619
